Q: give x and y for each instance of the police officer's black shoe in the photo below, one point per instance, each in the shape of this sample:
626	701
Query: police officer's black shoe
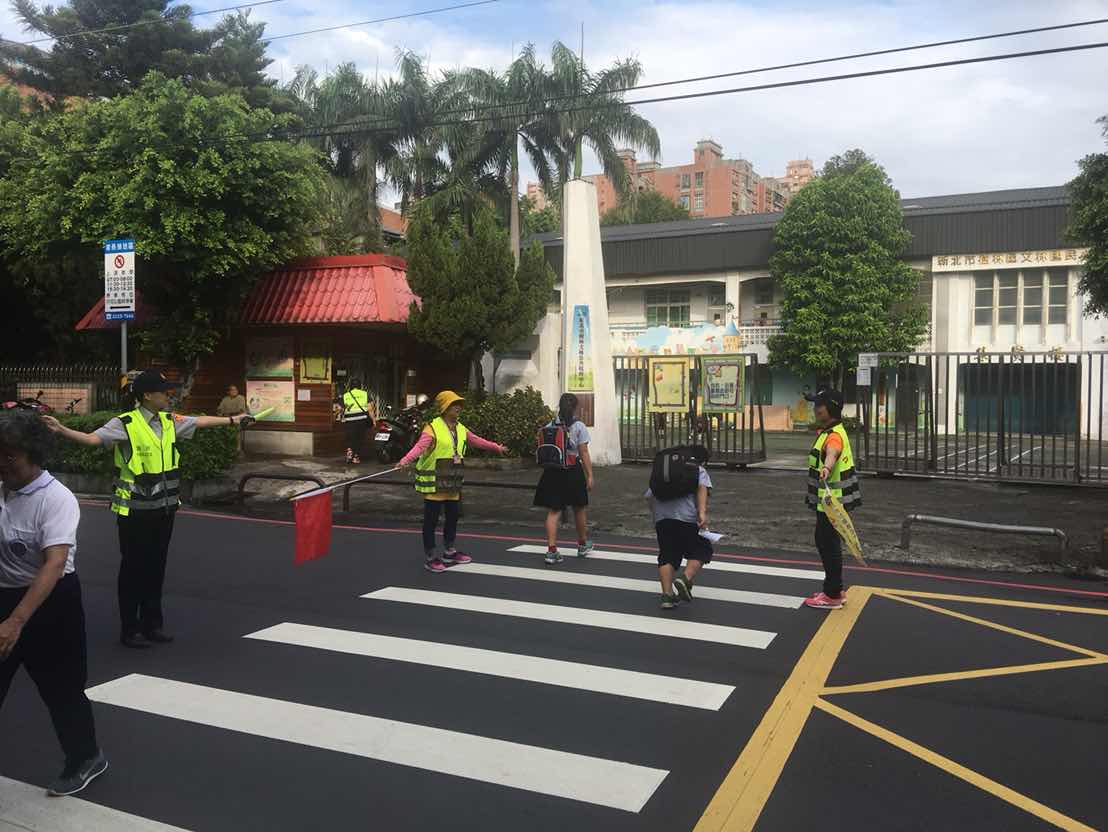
158	637
136	641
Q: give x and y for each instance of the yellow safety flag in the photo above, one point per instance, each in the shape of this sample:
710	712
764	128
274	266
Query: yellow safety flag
840	519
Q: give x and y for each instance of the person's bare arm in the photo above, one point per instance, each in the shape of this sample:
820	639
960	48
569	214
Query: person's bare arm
829	460
702	506
80	437
586	463
45	580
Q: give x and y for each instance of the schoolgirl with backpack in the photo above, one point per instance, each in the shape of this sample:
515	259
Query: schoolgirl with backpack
563	454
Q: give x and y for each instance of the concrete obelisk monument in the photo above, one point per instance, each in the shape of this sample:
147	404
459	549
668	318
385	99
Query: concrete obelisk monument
586	356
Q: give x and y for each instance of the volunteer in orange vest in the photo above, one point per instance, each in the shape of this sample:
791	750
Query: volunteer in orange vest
438	457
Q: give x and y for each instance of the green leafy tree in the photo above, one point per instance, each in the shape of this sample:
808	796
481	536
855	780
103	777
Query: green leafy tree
534	221
127	39
1089	225
846	290
473	299
645	208
209	209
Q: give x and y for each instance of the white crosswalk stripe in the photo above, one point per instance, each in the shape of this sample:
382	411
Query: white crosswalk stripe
629	683
26	808
651	625
611	783
715	565
587	580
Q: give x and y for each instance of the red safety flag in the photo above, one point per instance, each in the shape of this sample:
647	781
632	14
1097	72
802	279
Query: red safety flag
313	526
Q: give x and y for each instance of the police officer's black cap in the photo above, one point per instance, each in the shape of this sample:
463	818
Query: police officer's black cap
150	381
831	399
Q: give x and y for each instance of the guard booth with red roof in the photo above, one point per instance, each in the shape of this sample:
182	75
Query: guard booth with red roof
304	332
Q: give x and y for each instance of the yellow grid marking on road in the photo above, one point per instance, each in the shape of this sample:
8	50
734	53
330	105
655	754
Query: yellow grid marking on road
998	602
743	793
994	626
957	676
974	778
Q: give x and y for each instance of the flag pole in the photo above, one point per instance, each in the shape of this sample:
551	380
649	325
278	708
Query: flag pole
317	490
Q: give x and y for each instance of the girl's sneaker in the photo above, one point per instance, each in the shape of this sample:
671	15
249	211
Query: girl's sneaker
434	565
822	601
453	556
668	601
553	557
584	549
349	455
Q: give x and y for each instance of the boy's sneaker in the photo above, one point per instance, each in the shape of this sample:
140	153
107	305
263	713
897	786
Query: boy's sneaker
434	565
453	556
668	601
74	778
553	557
822	601
683	586
584	549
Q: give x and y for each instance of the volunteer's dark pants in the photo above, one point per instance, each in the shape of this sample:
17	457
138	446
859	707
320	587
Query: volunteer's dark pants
355	436
431	510
830	548
144	544
52	648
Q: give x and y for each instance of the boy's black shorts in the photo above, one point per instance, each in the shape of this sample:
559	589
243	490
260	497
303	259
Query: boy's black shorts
677	540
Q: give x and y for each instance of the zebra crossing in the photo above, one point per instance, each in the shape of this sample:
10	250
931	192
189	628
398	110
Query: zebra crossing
504	586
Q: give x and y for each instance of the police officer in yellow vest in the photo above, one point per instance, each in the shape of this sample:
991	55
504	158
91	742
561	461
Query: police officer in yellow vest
145	497
830	468
438	456
355	418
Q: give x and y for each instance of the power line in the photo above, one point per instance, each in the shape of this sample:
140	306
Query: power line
137	23
385	19
324	131
795	65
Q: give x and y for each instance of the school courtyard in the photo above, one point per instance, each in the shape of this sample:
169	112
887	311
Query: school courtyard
361	690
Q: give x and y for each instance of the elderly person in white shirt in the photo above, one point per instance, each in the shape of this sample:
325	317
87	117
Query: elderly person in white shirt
42	621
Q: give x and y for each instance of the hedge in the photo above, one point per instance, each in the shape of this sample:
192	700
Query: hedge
208	454
512	420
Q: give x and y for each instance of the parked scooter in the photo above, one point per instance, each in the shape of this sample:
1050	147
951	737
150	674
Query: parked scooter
34	404
394	435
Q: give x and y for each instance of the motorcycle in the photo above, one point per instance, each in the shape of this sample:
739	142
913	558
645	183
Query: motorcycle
34	404
395	435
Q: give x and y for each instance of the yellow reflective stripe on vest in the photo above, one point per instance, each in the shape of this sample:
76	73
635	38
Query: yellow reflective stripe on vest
441	448
842	480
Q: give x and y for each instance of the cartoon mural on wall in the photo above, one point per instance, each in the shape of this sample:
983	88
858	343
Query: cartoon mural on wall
704	339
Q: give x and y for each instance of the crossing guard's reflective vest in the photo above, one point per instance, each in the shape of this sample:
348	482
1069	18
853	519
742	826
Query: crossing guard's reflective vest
148	475
433	469
355	405
843	480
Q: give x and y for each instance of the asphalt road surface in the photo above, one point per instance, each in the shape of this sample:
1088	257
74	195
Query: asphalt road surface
362	692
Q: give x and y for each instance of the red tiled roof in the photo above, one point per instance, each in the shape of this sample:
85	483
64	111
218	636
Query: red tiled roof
361	289
94	318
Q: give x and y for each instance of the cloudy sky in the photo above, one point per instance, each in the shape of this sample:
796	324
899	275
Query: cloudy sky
980	127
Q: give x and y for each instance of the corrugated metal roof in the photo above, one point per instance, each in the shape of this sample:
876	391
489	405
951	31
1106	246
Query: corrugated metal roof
1011	220
362	289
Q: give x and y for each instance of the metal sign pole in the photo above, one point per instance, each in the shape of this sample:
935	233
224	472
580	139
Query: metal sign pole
123	347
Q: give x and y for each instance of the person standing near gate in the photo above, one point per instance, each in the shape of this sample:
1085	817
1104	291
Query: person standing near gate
830	467
355	418
42	620
145	498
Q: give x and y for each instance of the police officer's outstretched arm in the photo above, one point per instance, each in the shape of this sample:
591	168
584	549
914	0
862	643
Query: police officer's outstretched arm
80	437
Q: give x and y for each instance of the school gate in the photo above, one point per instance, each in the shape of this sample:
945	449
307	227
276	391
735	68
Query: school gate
1013	416
735	438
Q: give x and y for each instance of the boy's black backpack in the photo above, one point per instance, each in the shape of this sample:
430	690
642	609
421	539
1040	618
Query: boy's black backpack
676	471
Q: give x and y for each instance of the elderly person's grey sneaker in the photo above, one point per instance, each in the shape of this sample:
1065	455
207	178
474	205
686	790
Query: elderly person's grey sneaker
75	777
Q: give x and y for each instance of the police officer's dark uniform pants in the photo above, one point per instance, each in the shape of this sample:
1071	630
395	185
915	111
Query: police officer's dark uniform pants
144	546
52	648
830	548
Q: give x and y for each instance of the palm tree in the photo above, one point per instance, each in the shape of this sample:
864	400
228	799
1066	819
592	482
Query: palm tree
589	110
512	106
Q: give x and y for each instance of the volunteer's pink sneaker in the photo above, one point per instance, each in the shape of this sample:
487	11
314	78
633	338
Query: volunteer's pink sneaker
453	556
434	565
822	601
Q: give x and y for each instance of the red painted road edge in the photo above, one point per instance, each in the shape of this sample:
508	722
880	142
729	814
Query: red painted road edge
885	570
